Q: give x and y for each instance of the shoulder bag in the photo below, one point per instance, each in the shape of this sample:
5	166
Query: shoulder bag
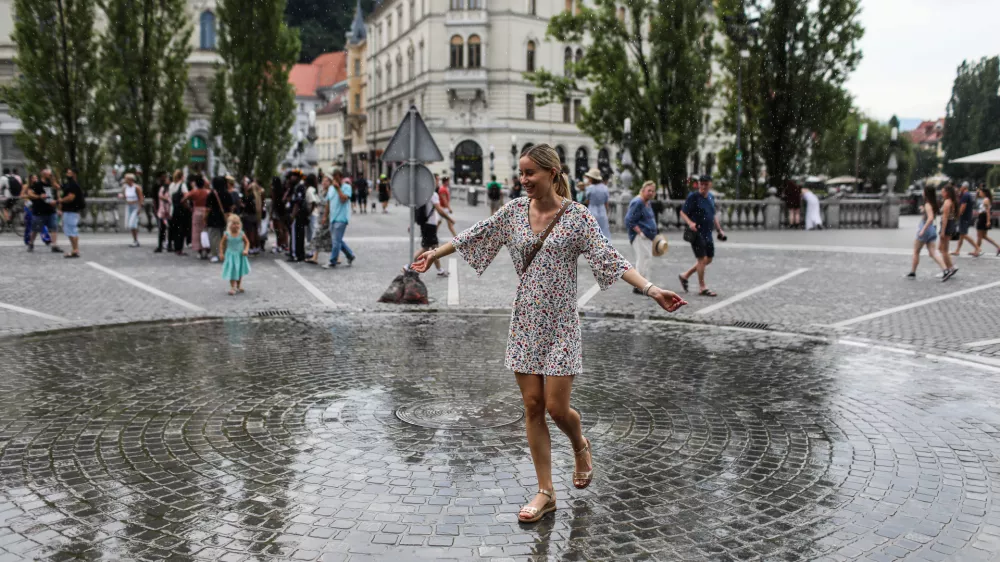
538	245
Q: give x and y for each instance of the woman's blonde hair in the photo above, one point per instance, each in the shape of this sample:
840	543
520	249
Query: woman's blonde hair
547	158
178	175
233	219
648	182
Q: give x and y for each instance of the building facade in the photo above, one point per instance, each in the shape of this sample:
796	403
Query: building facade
462	64
317	85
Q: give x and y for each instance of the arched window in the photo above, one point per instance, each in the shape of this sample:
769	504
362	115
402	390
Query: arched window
562	154
207	22
577	60
388	76
696	164
475	52
456	51
413	12
710	163
399	70
621	14
530	58
567	61
582	163
410	64
420	61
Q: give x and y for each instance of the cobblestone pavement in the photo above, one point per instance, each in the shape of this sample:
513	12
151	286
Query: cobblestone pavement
282	439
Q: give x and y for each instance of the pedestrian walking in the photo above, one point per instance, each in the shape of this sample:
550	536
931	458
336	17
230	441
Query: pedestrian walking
233	250
984	221
361	186
219	206
966	212
494	193
312	203
134	199
337	196
384	191
641	225
927	235
10	186
949	228
300	218
699	214
596	200
42	194
198	195
515	188
279	215
427	218
793	202
72	204
252	215
444	194
180	213
544	343
163	214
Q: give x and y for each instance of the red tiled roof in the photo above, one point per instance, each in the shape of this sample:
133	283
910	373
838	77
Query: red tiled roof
928	132
324	71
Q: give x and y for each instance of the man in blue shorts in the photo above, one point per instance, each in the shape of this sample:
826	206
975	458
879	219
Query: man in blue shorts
699	214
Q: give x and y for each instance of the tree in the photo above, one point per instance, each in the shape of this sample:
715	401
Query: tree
144	67
650	63
834	152
254	105
793	89
972	121
926	163
55	93
322	24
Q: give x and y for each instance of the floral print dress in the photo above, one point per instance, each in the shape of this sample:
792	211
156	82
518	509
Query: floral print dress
545	326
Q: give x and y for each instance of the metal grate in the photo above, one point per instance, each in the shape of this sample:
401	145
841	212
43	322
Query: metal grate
752	325
270	313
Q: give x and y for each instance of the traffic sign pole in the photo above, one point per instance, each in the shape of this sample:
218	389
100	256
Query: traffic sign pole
412	182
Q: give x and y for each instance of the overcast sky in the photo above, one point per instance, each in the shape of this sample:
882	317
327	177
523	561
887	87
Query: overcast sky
912	49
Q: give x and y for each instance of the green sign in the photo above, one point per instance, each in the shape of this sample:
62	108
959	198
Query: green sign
197	143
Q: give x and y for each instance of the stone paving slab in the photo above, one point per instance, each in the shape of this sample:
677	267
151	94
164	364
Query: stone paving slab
278	439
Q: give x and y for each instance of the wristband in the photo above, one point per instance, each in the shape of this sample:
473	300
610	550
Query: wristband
645	290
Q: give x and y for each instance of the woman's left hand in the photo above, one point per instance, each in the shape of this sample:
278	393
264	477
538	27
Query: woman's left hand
668	300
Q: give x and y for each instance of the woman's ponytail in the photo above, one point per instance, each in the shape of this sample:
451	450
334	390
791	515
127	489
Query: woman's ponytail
561	186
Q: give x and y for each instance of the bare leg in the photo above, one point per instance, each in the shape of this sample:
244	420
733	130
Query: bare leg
971	241
702	264
917	246
945	255
988	239
557	397
936	257
74	241
539	441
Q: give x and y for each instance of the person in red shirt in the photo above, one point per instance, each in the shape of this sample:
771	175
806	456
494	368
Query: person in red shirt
444	193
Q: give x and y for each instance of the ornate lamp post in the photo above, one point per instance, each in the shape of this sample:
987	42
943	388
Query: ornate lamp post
890	180
492	157
513	157
626	174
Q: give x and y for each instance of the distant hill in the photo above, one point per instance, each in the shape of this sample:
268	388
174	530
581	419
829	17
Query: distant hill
322	23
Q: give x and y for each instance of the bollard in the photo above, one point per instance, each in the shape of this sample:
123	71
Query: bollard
772	210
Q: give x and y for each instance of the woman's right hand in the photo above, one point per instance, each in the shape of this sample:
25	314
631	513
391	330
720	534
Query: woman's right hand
424	261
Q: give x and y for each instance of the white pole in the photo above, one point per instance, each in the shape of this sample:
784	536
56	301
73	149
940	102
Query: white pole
412	178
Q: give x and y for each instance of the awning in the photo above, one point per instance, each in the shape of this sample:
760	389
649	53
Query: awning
988	157
842	180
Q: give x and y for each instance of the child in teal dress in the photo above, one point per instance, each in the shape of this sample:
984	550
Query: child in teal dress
233	253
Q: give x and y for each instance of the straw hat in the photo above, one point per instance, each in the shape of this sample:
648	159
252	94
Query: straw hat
594	174
660	245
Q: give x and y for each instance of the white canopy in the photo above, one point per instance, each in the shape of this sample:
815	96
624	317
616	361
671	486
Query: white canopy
988	157
842	180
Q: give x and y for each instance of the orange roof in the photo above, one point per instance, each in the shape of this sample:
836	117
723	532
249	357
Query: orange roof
928	132
324	71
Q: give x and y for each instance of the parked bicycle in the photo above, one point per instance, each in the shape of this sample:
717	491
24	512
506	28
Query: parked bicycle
12	219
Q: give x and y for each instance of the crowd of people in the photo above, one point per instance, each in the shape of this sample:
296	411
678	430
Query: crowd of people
948	215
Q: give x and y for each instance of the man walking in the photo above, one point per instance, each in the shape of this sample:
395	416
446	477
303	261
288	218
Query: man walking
338	196
384	191
641	226
494	192
43	198
966	206
361	186
300	218
699	214
72	204
444	194
427	218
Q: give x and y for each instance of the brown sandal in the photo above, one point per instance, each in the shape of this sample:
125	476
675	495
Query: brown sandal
534	513
588	476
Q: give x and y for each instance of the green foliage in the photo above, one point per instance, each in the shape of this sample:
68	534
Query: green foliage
653	67
927	163
322	24
792	81
972	123
834	153
253	103
54	95
144	66
993	178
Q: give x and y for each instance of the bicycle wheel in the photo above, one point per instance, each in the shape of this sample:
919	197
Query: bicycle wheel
16	223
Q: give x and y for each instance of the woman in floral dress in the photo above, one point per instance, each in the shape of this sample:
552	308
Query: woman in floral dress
543	348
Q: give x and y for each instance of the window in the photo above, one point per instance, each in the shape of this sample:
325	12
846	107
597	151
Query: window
388	28
475	52
207	23
399	19
378	79
423	107
457	4
577	110
413	12
530	58
388	115
456	52
475	4
420	61
357	102
388	77
380	119
410	64
357	67
566	111
568	62
530	107
399	70
621	14
531	7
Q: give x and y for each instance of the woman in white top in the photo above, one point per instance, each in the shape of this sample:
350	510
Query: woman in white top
132	193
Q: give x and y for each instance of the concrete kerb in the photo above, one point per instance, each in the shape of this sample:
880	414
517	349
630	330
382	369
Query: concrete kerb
965	359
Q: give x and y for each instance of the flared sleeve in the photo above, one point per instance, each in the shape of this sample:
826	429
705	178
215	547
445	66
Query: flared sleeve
606	262
479	244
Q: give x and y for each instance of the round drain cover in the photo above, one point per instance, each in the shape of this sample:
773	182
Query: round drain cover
459	414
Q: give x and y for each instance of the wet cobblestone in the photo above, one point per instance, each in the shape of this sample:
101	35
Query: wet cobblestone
278	438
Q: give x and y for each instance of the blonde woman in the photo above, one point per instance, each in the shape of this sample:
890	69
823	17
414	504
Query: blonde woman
545	234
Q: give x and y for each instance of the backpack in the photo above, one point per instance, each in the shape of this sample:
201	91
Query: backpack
493	191
421	214
14	186
177	198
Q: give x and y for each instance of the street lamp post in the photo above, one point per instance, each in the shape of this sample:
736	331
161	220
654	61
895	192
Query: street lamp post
513	158
890	180
492	156
626	173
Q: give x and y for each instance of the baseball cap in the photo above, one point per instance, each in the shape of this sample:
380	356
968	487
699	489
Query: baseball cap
706	177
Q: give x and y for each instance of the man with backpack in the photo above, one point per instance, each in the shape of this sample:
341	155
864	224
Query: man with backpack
494	193
426	217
